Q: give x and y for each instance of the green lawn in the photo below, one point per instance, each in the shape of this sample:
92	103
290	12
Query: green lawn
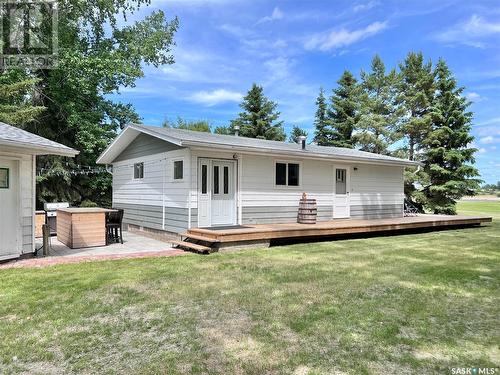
421	303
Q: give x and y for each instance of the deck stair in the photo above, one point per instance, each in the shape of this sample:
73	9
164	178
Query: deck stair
197	243
192	246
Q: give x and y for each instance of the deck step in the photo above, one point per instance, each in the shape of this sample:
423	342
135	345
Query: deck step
199	237
192	246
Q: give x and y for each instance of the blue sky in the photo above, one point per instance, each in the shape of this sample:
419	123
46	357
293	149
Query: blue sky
294	47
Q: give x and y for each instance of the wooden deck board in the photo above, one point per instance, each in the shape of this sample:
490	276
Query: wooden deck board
336	227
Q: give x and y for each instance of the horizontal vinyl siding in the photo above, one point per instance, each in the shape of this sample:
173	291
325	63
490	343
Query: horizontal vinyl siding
157	186
145	145
258	182
287	214
377	192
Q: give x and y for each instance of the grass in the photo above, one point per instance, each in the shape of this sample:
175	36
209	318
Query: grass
420	303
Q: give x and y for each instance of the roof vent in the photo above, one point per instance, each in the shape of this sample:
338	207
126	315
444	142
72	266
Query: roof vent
302	141
236	130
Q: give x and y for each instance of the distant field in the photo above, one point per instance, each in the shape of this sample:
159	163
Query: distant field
479	208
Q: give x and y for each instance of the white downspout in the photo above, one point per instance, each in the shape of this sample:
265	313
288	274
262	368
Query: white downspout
189	187
33	210
163	193
239	191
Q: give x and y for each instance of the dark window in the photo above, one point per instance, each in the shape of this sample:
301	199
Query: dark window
340	183
178	170
4	178
293	174
226	180
138	170
203	179
280	174
216	179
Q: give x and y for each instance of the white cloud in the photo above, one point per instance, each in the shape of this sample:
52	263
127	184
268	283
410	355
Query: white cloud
342	37
487	140
490	121
276	15
481	150
364	7
471	32
473	97
278	68
211	98
198	65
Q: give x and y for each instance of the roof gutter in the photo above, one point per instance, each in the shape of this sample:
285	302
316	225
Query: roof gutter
299	153
40	150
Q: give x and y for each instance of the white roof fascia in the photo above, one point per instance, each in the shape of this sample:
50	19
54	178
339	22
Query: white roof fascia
300	154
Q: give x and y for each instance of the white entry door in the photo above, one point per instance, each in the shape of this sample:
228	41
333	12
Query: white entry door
341	201
9	210
216	193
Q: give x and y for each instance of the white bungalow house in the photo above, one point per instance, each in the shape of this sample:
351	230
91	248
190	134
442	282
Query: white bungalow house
171	180
18	151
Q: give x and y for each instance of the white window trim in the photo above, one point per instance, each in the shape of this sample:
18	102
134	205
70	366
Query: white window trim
281	161
173	160
143	171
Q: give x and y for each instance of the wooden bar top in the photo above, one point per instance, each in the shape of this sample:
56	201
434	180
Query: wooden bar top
86	210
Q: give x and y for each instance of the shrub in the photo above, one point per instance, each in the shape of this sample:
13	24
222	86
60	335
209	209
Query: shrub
88	203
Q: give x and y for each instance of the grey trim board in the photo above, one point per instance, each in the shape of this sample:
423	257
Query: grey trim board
376	211
279	214
176	219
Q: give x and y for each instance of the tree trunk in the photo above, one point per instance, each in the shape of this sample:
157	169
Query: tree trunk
411	147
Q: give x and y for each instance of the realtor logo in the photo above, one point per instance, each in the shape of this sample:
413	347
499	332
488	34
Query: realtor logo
28	30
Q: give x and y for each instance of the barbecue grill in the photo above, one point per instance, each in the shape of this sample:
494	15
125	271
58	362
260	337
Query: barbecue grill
51	214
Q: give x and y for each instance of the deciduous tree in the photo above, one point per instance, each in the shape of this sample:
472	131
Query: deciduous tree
98	55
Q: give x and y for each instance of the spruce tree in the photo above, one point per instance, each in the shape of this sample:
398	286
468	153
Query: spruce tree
416	90
296	133
415	96
194	125
259	118
17	98
222	129
343	111
322	133
376	129
448	156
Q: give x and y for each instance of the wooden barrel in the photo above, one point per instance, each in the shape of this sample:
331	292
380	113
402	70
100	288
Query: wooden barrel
308	211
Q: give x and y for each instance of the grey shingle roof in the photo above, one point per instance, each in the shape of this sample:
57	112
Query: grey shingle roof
12	136
187	137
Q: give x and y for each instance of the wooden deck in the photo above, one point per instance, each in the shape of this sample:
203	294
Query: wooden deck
331	228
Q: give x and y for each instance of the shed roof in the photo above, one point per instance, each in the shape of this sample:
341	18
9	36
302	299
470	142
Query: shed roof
188	138
11	136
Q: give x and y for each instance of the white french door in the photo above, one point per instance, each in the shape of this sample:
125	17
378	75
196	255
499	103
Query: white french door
341	188
216	192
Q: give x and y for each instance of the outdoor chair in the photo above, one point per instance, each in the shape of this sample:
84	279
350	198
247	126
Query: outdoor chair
114	226
410	209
